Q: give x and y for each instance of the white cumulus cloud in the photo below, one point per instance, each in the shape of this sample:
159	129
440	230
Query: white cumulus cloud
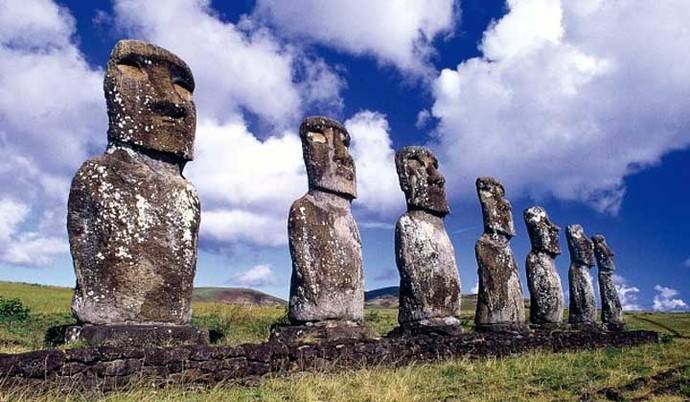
377	181
258	276
666	300
25	247
568	98
51	116
626	293
236	66
396	32
247	181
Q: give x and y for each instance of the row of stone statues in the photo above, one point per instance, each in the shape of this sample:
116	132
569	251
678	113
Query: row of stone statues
327	278
133	222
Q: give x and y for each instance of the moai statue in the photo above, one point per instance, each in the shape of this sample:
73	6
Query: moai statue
583	308
327	285
500	304
133	218
611	310
546	294
429	280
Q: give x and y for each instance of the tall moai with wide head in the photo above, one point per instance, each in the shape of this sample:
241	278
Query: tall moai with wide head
546	293
611	310
327	285
429	280
500	303
583	308
133	218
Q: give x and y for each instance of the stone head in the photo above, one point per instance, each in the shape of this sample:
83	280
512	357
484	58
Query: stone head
421	181
330	167
496	210
148	92
543	234
602	251
580	246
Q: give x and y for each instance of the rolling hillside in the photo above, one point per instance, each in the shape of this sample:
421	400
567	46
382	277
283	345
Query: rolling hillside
236	296
56	297
388	298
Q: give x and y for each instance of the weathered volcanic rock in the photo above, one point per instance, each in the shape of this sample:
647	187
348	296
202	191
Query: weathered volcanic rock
429	280
611	310
133	218
327	276
583	307
500	304
546	294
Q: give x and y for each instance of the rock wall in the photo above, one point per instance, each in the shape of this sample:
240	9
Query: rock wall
108	367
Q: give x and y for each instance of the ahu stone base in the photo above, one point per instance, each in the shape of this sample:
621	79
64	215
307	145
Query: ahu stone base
128	335
322	332
107	368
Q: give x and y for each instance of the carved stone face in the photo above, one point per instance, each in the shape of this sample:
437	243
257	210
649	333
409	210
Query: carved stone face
580	246
602	251
496	210
543	233
421	181
148	91
330	167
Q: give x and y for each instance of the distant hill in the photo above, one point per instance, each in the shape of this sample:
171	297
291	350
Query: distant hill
43	297
236	296
388	298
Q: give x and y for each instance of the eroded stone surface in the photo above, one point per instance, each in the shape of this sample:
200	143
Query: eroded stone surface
139	335
421	181
611	310
546	293
330	167
500	303
327	276
133	218
429	280
583	307
320	332
148	92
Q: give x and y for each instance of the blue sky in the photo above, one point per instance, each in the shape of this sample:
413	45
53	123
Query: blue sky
578	106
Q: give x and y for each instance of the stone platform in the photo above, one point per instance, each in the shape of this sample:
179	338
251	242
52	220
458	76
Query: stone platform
110	367
322	332
127	335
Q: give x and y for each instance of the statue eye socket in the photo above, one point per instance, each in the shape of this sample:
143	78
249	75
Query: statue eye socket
345	138
130	67
415	163
183	83
316	137
183	88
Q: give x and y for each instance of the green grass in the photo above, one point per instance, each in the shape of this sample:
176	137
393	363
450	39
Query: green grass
535	376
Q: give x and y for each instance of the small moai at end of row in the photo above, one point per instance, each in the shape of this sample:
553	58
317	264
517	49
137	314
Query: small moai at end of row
611	310
500	303
429	298
546	293
133	218
583	308
327	284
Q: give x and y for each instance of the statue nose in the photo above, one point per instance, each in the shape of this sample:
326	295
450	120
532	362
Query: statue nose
169	109
341	153
436	178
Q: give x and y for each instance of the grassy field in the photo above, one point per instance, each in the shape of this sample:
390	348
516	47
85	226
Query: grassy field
653	372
